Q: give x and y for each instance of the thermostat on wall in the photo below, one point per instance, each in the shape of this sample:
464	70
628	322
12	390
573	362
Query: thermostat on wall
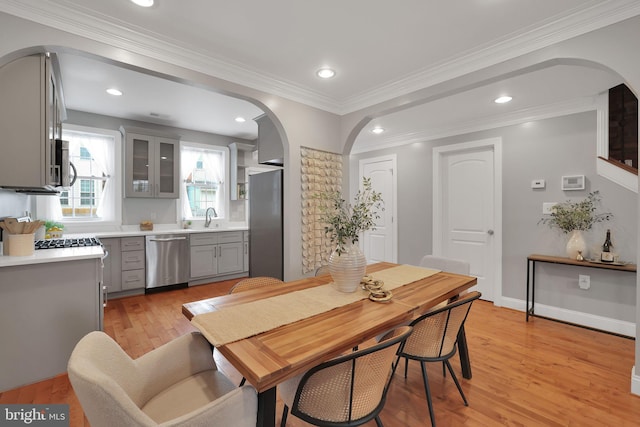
573	182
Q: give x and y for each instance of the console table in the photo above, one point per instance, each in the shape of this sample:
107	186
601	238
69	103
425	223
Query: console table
531	273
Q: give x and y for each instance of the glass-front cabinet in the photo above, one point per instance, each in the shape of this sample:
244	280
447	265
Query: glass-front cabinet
151	166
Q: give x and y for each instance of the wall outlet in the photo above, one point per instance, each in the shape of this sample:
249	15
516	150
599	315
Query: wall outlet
546	207
584	281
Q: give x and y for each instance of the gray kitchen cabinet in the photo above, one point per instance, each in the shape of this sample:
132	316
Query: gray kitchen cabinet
124	268
112	265
31	114
270	148
133	263
214	254
230	258
237	167
245	244
46	309
152	165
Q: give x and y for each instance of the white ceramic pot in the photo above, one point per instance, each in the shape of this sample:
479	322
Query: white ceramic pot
576	244
347	268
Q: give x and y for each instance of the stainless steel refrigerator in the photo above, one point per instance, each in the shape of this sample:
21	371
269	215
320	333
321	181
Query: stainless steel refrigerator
265	225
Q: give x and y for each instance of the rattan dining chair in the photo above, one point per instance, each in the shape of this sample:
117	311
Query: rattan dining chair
450	265
349	390
253	283
434	338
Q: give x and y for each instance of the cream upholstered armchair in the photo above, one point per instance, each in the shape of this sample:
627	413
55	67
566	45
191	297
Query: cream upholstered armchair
177	384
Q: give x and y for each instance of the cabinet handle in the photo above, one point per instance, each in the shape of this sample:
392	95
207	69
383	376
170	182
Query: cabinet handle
220	251
246	248
105	296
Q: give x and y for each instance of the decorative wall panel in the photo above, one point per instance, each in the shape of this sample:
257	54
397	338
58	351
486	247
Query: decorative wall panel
321	171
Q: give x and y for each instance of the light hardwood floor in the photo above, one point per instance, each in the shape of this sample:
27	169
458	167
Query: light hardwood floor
540	373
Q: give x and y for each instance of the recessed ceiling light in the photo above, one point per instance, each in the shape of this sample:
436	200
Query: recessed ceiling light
503	99
325	73
377	130
113	91
143	3
240	119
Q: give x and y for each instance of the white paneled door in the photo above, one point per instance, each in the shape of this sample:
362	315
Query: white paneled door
466	210
380	244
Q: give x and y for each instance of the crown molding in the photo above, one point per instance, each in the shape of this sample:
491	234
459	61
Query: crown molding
88	24
574	106
511	46
137	40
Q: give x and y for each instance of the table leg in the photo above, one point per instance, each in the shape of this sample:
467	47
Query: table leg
267	408
533	288
465	363
526	307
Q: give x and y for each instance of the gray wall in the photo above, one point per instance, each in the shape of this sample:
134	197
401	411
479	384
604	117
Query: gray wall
545	149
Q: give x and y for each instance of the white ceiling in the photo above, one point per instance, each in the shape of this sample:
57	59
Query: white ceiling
152	99
380	49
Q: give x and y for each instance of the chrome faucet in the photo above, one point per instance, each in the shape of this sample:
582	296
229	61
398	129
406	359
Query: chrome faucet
207	217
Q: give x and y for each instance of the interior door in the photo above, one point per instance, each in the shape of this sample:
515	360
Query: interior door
380	244
466	217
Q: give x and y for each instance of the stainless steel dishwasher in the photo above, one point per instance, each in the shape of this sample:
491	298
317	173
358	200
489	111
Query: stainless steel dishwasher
167	260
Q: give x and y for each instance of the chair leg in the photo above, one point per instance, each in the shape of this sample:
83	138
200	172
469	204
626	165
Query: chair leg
425	379
406	366
444	373
285	412
244	380
378	422
455	380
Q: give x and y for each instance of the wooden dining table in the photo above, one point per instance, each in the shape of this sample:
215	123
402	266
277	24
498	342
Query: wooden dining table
269	358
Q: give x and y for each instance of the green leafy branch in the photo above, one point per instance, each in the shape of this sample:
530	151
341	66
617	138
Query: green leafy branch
344	222
581	215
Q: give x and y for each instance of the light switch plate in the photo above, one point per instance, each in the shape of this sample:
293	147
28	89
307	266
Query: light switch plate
538	183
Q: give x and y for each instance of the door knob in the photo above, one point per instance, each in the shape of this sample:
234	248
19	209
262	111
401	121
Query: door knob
490	232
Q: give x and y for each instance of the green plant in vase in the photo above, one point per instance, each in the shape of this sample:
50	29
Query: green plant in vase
344	222
574	217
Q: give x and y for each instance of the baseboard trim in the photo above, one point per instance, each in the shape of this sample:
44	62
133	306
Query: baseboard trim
614	326
635	382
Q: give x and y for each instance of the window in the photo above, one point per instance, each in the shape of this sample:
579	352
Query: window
95	195
88	152
203	187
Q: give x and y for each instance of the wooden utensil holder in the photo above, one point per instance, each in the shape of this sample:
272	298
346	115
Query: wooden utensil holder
18	244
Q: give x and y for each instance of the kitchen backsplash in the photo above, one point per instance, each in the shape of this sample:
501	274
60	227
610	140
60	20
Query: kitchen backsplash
13	204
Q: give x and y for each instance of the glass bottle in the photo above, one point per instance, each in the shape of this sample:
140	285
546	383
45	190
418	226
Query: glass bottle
607	255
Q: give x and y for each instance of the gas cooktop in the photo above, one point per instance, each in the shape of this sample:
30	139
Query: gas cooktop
67	243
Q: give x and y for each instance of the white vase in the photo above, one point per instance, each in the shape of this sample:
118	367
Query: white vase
576	244
347	268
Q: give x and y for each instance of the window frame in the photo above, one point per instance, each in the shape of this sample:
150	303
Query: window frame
114	207
184	198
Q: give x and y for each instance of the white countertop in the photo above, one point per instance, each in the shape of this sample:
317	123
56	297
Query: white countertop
70	254
137	232
52	255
